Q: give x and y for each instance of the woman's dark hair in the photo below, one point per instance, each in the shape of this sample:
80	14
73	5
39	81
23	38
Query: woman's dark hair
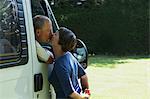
67	39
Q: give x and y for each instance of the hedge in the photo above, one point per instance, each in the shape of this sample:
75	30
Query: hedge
114	28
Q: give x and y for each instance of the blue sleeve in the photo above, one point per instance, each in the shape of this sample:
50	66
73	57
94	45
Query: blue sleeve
81	71
64	78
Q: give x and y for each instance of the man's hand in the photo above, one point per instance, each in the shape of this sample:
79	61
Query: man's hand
50	60
51	57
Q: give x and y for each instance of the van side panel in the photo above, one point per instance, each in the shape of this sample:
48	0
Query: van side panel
17	82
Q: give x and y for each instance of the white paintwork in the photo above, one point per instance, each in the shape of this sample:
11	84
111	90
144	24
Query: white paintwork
18	82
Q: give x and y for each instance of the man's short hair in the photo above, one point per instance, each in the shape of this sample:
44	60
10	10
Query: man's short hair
67	39
38	21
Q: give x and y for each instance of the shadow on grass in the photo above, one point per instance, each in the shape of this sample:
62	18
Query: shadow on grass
112	61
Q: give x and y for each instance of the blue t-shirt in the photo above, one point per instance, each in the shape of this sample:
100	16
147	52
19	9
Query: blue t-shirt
65	74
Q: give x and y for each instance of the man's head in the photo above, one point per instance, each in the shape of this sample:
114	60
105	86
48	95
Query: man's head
42	28
65	39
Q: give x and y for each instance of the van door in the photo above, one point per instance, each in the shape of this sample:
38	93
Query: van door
15	54
40	69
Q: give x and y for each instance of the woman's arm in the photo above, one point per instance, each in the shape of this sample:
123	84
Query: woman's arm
84	82
83	77
75	95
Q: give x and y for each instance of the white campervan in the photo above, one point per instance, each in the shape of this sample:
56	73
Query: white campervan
22	75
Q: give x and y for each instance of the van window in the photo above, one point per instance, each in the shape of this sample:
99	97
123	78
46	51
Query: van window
13	41
39	7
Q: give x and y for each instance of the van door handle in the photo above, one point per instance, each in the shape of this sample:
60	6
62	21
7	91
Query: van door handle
38	82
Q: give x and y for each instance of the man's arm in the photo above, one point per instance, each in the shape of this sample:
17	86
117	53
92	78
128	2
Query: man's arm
51	57
44	55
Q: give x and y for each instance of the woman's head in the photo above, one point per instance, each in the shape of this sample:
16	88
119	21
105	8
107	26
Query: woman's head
65	39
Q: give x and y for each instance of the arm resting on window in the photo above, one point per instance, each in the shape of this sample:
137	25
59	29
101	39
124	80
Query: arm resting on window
43	55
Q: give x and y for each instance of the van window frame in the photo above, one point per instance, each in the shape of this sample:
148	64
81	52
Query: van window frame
22	57
44	9
49	13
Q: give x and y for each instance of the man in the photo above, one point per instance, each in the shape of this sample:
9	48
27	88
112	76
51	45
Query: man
43	34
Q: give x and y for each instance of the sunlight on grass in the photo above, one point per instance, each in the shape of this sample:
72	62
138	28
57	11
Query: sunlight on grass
111	61
113	77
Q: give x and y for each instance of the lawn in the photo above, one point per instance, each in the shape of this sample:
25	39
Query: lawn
112	61
119	77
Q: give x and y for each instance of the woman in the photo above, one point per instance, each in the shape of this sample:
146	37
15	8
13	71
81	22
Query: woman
67	69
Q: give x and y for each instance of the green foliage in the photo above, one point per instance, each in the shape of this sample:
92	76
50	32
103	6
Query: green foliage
118	28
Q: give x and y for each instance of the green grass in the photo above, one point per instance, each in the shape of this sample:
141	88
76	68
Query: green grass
112	77
111	61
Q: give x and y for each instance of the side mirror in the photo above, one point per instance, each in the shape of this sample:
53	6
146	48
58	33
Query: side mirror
81	54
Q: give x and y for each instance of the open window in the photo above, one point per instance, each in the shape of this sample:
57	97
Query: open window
41	7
